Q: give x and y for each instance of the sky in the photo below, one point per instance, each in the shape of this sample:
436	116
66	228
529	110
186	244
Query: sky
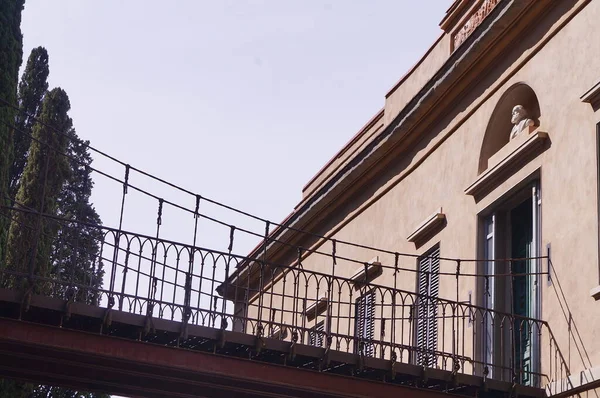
241	101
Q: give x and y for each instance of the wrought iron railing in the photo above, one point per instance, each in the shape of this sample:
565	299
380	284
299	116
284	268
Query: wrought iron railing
296	285
168	280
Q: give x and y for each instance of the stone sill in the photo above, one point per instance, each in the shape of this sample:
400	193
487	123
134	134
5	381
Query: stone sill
430	224
316	308
279	333
592	96
595	293
366	273
513	155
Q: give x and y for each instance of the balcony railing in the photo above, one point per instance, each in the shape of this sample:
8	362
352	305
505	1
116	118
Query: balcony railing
297	287
162	279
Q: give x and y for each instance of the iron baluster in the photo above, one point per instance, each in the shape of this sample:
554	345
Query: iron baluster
196	217
194	250
118	233
330	294
164	268
201	279
455	319
125	270
155	244
226	282
393	320
187	312
296	291
137	280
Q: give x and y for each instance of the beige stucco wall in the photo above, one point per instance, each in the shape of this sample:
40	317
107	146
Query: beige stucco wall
416	78
351	149
436	173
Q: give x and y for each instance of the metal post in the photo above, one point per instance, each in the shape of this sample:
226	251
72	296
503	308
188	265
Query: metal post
118	239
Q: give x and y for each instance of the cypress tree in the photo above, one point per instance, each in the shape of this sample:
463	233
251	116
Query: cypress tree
77	247
15	389
17	239
32	87
30	236
11	54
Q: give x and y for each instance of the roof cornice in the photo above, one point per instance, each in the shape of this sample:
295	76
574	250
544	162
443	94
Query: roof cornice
464	67
441	85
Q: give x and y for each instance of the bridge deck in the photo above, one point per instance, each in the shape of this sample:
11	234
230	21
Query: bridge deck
87	347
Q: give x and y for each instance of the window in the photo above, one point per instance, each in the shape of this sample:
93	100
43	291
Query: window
426	322
364	323
512	230
488	290
316	334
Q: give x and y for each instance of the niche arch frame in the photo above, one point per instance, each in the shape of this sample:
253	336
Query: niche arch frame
497	133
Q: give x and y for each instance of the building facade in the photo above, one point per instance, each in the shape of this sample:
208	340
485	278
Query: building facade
458	230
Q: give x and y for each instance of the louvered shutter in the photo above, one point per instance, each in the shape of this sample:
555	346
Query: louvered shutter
369	303
421	329
315	335
426	328
365	323
434	289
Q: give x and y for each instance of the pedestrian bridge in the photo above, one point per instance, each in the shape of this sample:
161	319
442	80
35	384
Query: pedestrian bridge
136	314
162	327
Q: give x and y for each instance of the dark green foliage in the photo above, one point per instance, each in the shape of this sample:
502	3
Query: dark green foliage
57	392
30	237
41	179
32	87
15	389
11	54
76	250
75	254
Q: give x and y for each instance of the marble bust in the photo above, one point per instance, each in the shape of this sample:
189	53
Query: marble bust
520	120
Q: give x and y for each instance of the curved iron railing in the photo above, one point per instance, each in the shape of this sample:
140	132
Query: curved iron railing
314	299
169	280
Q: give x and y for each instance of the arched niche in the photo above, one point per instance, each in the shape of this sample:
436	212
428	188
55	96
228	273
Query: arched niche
497	133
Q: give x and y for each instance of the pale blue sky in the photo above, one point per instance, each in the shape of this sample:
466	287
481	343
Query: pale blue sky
240	101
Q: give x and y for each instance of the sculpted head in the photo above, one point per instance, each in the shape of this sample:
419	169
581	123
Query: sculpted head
518	113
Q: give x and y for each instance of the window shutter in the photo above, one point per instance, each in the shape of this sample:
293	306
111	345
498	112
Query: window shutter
421	332
426	329
365	323
315	335
369	323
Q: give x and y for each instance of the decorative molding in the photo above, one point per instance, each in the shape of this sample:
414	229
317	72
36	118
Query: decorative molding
368	272
453	14
512	156
469	26
427	227
592	96
316	308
